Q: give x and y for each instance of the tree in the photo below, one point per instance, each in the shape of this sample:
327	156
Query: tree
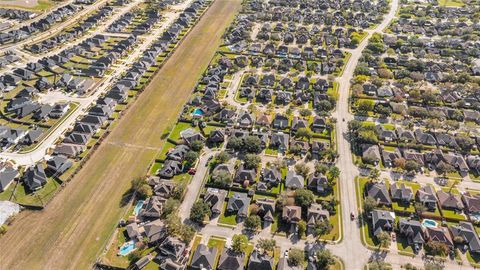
365	106
253	223
303	133
444	168
191	157
222	178
374	174
252	144
305	112
411	166
420	208
302	169
399	163
369	204
171	205
409	266
187	233
141	188
334	172
200	210
235	143
267	244
436	248
433	266
321	168
196	145
304	197
379	265
239	243
367	136
322	227
324	259
302	228
134	256
296	257
383	239
252	161
324	105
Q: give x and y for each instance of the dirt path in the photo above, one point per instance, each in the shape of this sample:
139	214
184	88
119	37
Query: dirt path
70	231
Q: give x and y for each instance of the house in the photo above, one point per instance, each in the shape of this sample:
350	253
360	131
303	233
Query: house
402	194
7	175
370	153
466	231
216	136
412	230
439	234
382	221
471	203
315	214
280	121
169	264
173	248
152	207
280	141
266	209
34	177
57	165
215	198
245	120
230	260
204	258
164	188
271	175
450	201
294	180
292	215
238	204
170	169
260	261
245	176
190	135
178	153
69	150
155	231
426	196
318	183
378	191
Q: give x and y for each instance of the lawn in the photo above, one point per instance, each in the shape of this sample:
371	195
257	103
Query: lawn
167	146
451	215
227	219
111	257
155	167
106	176
219	244
179	127
451	3
39	197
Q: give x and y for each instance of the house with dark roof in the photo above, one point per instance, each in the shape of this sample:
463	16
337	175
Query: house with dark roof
382	221
379	192
412	230
439	234
318	183
466	231
260	261
401	193
215	198
238	204
471	203
450	201
230	260
315	214
57	165
294	180
34	177
426	196
7	175
204	258
152	207
172	248
292	215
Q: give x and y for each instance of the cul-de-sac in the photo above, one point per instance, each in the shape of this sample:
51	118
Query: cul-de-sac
239	134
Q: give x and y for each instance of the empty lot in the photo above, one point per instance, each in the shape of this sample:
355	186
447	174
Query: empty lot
70	232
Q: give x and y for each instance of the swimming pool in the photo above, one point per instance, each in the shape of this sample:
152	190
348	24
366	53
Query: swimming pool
138	206
126	248
198	112
429	223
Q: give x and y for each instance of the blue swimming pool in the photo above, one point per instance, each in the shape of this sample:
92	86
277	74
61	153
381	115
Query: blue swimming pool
126	248
198	112
138	206
429	223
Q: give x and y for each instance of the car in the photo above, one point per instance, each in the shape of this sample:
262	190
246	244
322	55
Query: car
285	254
352	216
394	237
192	171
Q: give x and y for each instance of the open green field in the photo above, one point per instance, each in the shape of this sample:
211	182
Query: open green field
42	5
451	3
74	228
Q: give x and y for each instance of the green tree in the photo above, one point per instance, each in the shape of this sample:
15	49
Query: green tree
186	233
383	239
365	106
304	197
334	172
374	174
134	256
267	244
411	166
296	257
325	259
252	144
222	178
303	133
252	161
191	157
141	188
369	204
436	248
302	228
302	169
171	205
200	210
235	143
239	243
196	145
323	227
305	112
253	223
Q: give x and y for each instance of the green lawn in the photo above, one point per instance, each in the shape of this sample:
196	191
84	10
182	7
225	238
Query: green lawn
167	146
451	3
155	167
39	197
229	219
450	214
179	127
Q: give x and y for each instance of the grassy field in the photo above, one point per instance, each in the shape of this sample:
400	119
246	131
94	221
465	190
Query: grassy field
72	231
451	3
